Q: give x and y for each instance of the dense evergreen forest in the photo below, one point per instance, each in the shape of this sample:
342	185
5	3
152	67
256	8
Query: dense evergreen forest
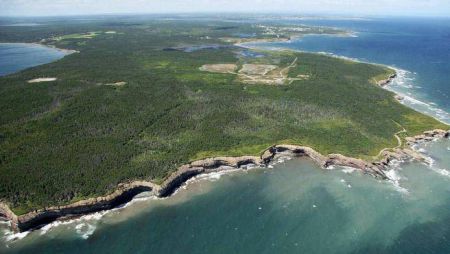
81	135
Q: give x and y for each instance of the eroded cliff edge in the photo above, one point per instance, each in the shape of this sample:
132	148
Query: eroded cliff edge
126	191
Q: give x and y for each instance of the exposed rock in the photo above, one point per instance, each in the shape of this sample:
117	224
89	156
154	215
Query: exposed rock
38	218
428	136
209	165
385	82
126	191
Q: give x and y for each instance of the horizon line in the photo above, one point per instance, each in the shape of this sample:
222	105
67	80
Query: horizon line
290	13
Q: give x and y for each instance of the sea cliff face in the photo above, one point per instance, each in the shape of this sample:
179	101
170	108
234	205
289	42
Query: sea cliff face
387	81
126	191
35	219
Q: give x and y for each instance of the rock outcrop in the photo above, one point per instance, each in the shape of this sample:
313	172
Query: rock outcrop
35	219
385	82
209	165
125	192
428	136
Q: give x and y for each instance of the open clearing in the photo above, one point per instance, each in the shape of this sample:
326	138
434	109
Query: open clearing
39	80
268	74
88	35
118	84
257	69
219	68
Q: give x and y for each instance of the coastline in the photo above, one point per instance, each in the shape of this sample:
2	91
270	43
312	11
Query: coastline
402	98
38	44
126	191
53	54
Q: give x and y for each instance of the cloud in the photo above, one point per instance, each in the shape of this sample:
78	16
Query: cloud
357	7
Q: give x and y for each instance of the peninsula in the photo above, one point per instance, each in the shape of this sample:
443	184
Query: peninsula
144	105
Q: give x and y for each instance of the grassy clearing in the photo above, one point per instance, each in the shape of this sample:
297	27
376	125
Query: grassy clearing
88	35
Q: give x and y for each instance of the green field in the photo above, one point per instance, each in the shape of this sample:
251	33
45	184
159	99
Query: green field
76	137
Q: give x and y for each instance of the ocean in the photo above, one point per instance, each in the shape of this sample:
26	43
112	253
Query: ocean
294	206
418	48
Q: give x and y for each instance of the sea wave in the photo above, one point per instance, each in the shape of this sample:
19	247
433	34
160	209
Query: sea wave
349	170
395	178
11	236
214	176
431	162
84	225
433	166
404	86
85	230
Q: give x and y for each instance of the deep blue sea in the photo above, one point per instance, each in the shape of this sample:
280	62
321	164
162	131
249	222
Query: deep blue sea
419	47
295	206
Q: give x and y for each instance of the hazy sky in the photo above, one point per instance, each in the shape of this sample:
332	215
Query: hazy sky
355	7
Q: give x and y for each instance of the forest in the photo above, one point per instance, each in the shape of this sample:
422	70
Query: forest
80	136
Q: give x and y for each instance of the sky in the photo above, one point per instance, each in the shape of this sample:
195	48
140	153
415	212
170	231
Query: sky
347	7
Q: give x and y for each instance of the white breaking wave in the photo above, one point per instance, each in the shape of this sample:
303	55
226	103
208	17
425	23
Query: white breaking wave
403	85
394	178
138	198
214	176
85	230
84	226
431	163
282	159
11	236
349	170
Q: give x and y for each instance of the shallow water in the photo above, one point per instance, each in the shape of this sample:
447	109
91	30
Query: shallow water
293	207
19	56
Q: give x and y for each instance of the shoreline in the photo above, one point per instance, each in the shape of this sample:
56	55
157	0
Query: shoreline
382	83
65	52
38	44
125	192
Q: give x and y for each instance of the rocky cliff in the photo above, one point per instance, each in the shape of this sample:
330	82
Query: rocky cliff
125	192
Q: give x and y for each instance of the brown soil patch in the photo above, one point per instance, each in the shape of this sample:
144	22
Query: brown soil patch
257	69
219	68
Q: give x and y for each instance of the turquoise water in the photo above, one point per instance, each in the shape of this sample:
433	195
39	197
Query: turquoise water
295	206
19	56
